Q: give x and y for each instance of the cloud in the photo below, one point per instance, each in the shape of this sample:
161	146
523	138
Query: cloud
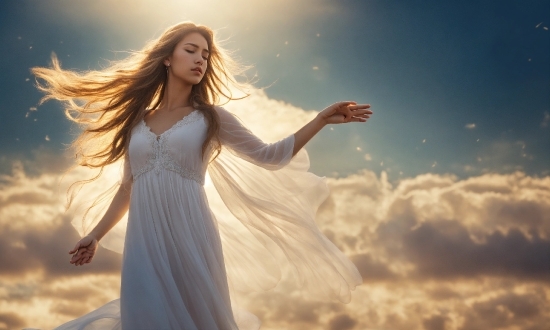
372	270
508	310
435	251
342	322
10	321
445	250
269	119
436	322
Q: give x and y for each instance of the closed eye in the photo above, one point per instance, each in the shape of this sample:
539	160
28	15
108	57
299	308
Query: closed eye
192	52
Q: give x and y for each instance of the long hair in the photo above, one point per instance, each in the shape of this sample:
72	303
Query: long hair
108	103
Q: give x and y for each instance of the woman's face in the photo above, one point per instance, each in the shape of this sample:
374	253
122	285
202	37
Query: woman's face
189	59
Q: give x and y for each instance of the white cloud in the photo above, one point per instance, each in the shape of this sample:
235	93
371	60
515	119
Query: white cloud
432	249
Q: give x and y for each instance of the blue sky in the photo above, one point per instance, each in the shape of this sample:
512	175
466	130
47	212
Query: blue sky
429	69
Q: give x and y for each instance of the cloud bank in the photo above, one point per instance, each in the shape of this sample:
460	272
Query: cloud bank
435	251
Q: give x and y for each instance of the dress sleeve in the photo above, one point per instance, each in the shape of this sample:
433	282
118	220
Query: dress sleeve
266	218
244	144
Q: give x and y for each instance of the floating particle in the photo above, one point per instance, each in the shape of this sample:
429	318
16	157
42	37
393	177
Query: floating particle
19	38
477	140
358	148
545	28
400	172
434	164
30	47
332	128
315	68
27	115
367	157
536	27
470	126
16	139
318	34
424	141
27	79
381	163
286	42
277	55
32	108
35	119
47	138
529	60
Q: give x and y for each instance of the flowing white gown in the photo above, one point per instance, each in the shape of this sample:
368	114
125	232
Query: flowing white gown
187	245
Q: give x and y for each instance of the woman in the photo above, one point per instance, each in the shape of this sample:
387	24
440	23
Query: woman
157	110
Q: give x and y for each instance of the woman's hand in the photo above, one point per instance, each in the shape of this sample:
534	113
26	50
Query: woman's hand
345	112
84	250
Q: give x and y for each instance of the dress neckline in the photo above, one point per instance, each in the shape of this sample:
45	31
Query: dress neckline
176	124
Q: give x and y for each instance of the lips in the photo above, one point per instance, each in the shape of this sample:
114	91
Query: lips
197	69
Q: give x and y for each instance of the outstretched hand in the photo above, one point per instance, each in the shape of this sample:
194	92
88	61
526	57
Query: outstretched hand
345	112
84	251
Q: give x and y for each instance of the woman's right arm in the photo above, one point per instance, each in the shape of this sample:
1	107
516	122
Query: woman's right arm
85	249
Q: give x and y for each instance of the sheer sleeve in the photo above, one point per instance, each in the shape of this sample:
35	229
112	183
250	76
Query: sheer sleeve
242	143
265	202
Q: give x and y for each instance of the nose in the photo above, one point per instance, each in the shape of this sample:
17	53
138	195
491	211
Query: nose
199	60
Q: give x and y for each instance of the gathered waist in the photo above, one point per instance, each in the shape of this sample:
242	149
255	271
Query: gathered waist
184	172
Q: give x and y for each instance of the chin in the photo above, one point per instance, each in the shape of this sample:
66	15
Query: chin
194	81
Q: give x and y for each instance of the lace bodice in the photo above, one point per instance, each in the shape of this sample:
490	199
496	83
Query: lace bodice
162	154
179	148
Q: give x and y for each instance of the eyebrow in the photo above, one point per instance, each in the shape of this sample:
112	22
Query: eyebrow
194	45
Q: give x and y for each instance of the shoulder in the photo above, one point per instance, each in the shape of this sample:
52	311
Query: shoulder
224	114
221	110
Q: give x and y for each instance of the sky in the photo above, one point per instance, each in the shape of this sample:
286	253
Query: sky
442	199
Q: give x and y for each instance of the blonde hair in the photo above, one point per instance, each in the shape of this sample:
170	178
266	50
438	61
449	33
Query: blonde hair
108	103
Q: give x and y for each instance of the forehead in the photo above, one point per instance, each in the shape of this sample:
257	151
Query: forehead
195	38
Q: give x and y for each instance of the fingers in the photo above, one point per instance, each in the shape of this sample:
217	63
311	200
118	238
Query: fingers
79	260
75	248
80	254
359	106
343	103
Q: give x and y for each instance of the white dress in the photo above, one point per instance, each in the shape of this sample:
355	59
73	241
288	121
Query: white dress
181	261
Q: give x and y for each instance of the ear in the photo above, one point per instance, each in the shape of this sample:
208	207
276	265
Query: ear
167	62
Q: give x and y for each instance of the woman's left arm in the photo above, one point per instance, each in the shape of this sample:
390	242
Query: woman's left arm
275	155
338	113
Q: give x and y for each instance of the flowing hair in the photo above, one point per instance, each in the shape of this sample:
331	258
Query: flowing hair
110	102
107	104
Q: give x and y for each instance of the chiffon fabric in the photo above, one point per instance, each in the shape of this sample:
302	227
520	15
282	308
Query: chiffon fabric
198	233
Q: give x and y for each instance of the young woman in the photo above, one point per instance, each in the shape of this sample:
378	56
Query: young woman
157	111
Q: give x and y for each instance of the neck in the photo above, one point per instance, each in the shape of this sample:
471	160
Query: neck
176	95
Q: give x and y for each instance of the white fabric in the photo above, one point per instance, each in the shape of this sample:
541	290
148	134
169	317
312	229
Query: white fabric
188	242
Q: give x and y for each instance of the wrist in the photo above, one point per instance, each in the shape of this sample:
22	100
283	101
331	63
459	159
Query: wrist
320	120
94	235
